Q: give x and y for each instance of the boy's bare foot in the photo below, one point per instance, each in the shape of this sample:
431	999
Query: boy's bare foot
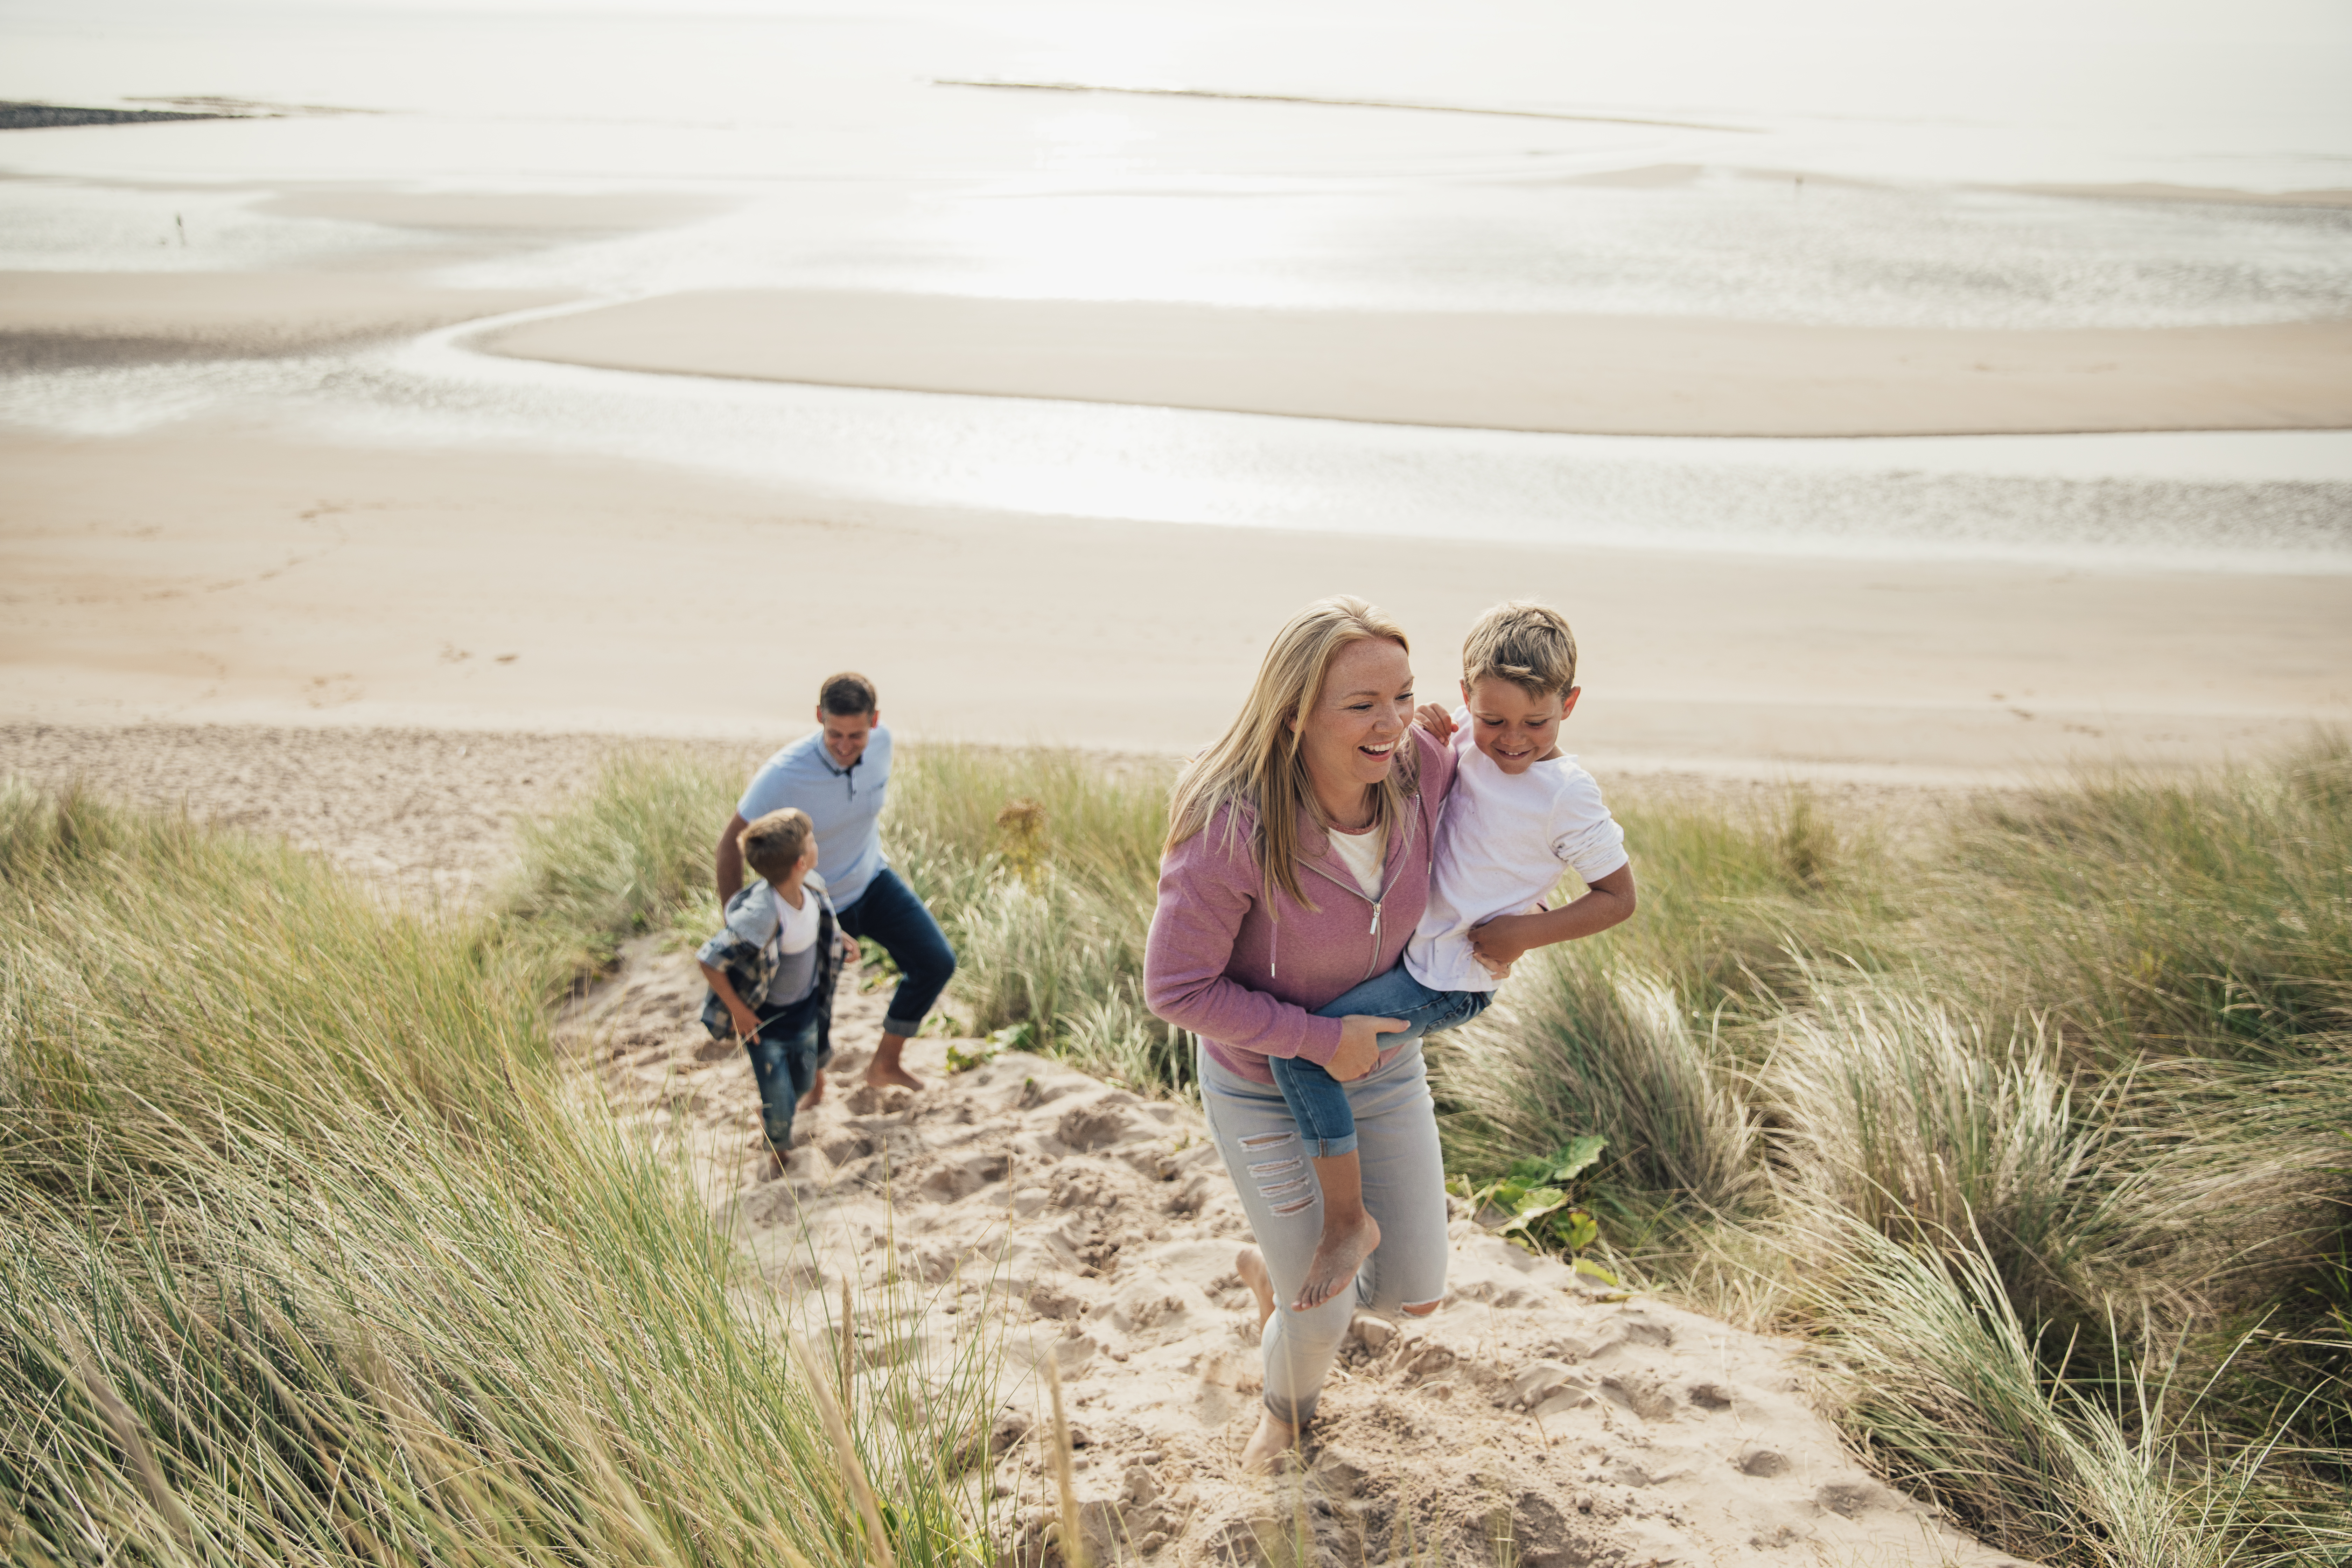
815	1095
1251	1266
1347	1241
884	1071
1270	1446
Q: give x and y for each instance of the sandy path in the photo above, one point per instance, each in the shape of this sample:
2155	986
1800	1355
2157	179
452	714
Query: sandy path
1594	375
1532	1419
429	813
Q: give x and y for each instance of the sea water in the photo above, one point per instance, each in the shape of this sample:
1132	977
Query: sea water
1820	161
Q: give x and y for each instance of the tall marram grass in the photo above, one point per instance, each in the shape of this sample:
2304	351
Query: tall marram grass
1039	864
2211	917
314	1256
2052	1152
2035	1120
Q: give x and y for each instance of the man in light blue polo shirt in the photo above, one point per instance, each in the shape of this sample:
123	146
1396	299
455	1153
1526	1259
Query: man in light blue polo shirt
839	776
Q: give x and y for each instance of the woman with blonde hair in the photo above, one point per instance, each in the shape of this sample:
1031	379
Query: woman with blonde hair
1297	865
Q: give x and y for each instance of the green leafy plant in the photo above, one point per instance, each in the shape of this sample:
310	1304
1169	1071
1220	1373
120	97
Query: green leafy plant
1537	1205
1012	1037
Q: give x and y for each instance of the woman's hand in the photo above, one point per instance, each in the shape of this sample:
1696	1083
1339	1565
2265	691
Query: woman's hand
848	947
1435	718
1360	1045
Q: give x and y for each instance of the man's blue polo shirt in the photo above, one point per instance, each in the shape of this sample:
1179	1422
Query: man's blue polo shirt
845	803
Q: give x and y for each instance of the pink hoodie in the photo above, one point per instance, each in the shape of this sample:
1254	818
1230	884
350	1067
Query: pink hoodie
1219	964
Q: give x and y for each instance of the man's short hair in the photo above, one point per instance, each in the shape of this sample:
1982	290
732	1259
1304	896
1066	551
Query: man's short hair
1527	644
846	695
773	844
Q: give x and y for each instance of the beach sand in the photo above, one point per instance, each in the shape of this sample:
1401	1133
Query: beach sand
1032	1211
222	575
1596	374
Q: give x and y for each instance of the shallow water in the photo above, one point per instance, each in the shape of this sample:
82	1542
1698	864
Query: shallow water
1832	163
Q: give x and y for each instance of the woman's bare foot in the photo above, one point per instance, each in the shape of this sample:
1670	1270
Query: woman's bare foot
1348	1240
1251	1267
1270	1446
884	1071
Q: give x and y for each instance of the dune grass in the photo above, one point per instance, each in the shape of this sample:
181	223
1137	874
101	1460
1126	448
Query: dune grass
314	1256
2043	1117
1039	865
2035	1122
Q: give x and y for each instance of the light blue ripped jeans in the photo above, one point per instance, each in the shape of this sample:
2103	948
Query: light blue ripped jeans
1405	1191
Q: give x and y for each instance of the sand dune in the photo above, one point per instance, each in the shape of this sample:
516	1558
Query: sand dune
1594	375
1083	1224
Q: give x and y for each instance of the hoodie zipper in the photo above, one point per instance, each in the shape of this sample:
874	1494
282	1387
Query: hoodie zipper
1387	885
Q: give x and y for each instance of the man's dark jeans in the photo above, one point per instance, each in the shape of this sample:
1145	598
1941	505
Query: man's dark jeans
889	912
785	1060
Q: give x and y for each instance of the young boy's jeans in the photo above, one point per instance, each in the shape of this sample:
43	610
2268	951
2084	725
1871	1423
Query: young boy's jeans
784	1059
1317	1101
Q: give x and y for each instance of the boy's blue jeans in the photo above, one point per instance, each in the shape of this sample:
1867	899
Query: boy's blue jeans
1317	1101
784	1059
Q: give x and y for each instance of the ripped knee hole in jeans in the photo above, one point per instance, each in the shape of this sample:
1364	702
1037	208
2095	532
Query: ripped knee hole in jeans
1285	1183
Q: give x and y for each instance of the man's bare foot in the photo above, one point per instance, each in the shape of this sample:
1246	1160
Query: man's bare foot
884	1071
1251	1267
1345	1243
815	1095
1270	1446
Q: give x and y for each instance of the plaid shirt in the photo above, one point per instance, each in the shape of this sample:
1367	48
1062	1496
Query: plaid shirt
744	950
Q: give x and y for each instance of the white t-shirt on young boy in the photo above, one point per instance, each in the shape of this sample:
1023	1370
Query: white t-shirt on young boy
1502	843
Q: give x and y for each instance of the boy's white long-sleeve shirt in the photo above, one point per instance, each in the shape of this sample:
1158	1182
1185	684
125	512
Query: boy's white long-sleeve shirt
1501	845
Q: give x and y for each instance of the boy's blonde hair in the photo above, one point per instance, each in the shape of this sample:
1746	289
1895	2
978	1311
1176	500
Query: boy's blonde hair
1525	642
773	844
1256	767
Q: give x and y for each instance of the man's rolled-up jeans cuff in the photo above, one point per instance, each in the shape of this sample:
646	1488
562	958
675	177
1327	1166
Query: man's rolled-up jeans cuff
906	1026
1333	1147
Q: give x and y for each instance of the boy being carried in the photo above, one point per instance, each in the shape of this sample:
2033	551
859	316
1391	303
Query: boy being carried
1520	813
771	969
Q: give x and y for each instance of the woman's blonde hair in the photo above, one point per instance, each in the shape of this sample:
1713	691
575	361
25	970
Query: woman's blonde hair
1256	768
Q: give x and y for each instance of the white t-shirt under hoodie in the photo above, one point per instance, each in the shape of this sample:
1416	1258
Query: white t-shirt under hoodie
1362	854
1502	843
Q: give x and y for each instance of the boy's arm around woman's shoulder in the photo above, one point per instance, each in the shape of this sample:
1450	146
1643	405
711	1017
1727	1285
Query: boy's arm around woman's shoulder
1207	889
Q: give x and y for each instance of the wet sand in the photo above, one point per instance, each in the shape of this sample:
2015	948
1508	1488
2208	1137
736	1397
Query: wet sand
50	320
1588	375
